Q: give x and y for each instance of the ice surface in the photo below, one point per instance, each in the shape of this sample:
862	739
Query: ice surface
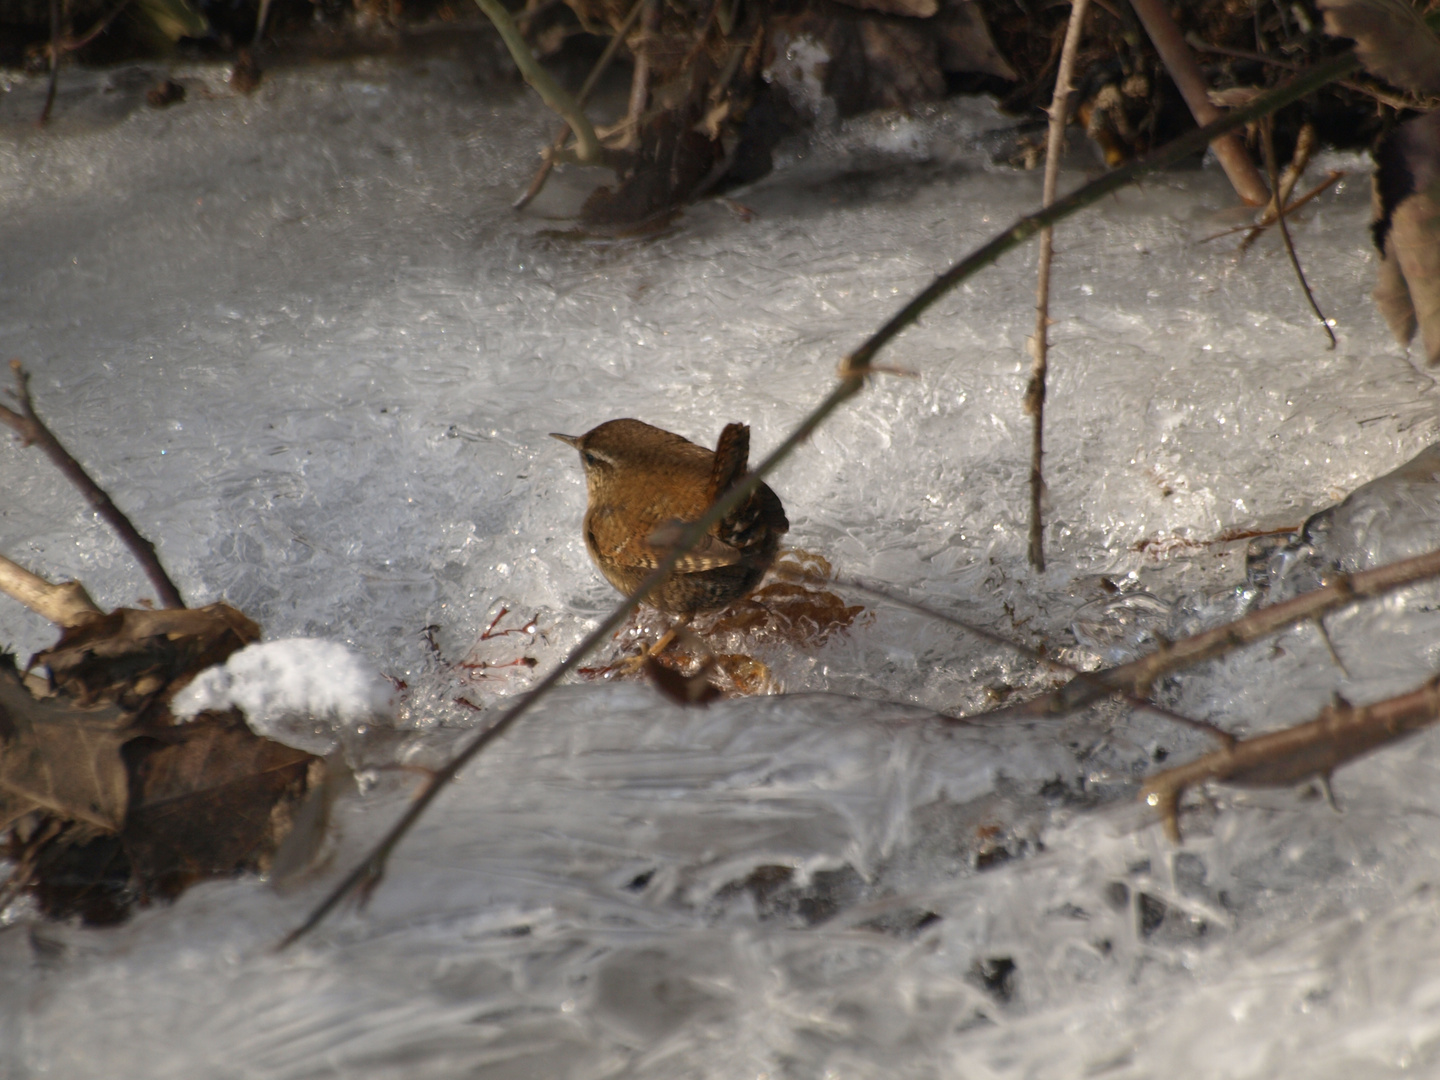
302	339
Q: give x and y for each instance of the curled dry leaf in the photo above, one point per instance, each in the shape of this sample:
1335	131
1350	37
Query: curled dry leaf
204	797
60	758
693	689
129	654
1407	231
1391	38
106	800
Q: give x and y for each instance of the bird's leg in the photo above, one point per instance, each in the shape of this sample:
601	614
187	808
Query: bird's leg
632	665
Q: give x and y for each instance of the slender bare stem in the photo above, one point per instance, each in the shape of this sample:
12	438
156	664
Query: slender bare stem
32	430
54	63
1277	208
1181	64
542	174
551	92
1040	343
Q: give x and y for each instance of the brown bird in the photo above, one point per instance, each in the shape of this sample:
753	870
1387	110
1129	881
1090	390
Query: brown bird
645	485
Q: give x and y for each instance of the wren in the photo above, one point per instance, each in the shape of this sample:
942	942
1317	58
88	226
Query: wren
644	484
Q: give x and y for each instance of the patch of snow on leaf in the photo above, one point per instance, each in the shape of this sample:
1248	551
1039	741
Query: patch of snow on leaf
277	683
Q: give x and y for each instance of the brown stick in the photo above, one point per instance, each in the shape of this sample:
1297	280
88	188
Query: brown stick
1340	734
33	431
1040	343
67	604
1189	80
1267	128
1139	675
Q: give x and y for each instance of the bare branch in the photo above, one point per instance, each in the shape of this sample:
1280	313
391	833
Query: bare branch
1340	734
67	604
1180	62
611	48
1277	204
1139	675
1040	343
32	430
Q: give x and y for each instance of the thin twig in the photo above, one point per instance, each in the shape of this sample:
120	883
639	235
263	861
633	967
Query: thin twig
1027	226
551	92
1341	733
1139	675
54	63
1266	221
260	20
1195	41
67	604
1040	343
32	430
640	74
1267	129
611	48
1038	655
71	44
1299	161
1189	80
853	370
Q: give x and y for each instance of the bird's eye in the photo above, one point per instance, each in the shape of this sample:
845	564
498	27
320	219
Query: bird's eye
591	458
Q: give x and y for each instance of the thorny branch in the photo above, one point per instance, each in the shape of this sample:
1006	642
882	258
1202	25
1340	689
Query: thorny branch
1341	733
1139	676
1040	343
853	370
1039	656
33	431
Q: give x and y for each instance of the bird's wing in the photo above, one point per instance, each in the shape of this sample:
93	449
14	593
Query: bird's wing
706	555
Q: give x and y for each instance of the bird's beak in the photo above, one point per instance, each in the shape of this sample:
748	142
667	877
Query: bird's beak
569	440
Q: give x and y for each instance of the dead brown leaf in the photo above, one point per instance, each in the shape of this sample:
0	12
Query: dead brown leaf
1407	231
205	797
131	654
1391	38
59	758
695	689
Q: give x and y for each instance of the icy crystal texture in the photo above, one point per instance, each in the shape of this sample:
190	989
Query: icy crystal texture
302	339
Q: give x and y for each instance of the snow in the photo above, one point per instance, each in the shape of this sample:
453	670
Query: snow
302	339
286	687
